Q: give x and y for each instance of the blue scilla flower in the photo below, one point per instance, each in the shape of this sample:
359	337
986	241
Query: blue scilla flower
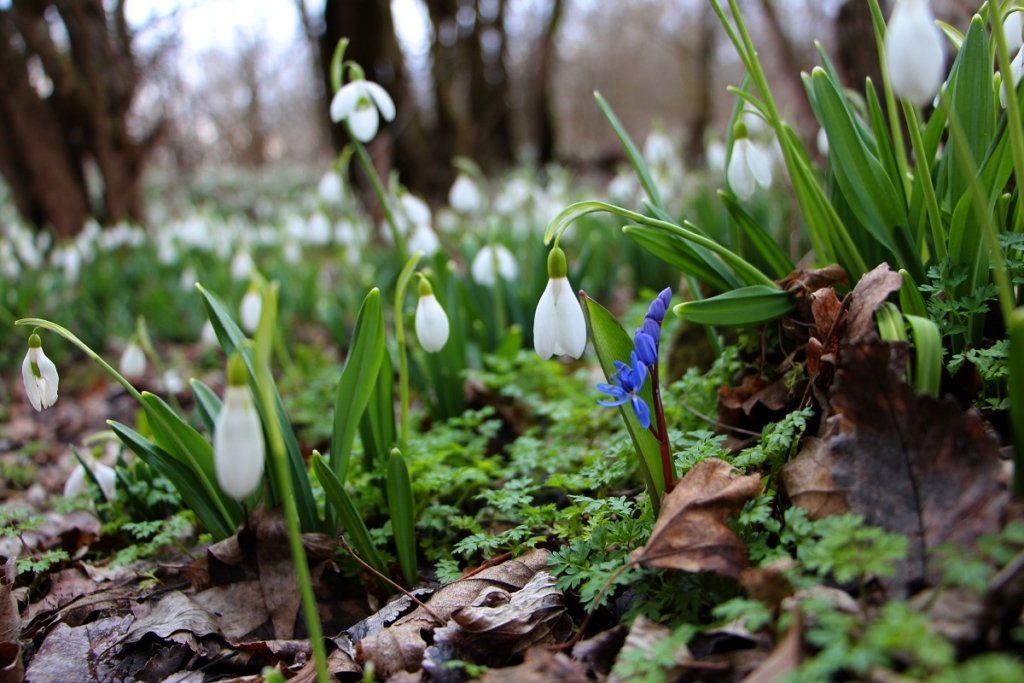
628	380
646	347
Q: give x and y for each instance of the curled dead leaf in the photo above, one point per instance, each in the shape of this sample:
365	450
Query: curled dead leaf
691	533
807	480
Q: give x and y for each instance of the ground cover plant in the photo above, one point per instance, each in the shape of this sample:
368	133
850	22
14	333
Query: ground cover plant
463	456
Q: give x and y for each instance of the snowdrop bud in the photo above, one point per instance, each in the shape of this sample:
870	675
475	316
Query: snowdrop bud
821	142
39	375
1016	70
106	476
133	361
330	188
558	324
250	309
207	335
748	166
431	320
238	449
914	52
241	265
464	195
492	261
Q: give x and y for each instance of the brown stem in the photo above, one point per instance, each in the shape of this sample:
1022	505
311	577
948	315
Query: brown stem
662	433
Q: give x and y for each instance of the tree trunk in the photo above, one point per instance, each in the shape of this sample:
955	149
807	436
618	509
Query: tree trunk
703	102
545	125
49	138
856	50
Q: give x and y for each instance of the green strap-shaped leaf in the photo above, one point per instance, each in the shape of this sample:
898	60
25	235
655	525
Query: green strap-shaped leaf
358	380
403	523
766	247
972	100
347	513
192	491
612	343
231	337
676	252
208	404
927	355
739	308
377	427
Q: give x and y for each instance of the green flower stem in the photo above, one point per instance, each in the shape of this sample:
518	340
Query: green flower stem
895	129
403	362
380	192
1013	112
982	213
924	172
561	223
279	461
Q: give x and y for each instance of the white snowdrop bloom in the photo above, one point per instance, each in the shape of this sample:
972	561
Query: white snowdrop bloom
623	187
464	195
250	309
330	188
188	279
415	209
358	102
431	320
424	239
715	155
658	149
512	197
10	267
492	261
749	166
1016	71
39	375
239	452
207	335
241	265
318	229
914	52
172	381
558	324
821	141
1013	29
76	482
133	361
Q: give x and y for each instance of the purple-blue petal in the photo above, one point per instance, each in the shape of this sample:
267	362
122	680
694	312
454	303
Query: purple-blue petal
656	311
652	328
612	389
665	296
642	412
646	348
616	402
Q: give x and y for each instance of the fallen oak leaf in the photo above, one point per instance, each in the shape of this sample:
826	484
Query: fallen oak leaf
873	288
691	533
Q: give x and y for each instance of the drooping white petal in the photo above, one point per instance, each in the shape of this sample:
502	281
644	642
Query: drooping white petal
424	239
492	261
32	388
572	330
133	361
1016	71
238	449
381	99
914	52
760	164
344	101
330	188
741	180
545	322
363	121
1013	29
464	195
42	388
431	324
415	209
250	310
76	482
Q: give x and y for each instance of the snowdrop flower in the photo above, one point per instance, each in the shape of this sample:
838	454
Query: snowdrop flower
658	149
1016	71
1013	29
238	449
748	165
39	375
76	483
464	195
914	52
714	156
492	261
431	320
171	379
358	102
424	239
330	188
241	265
207	335
558	324
821	141
250	309
133	361
415	209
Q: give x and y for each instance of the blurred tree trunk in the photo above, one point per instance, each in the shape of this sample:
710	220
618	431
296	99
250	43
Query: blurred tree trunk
792	64
64	106
856	50
373	44
545	126
703	104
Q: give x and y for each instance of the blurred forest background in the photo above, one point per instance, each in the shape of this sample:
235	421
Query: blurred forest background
98	95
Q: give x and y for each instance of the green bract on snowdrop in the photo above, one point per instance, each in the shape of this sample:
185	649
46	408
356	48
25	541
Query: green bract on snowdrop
39	374
464	195
914	52
358	103
105	475
238	449
250	309
558	324
492	261
749	166
431	320
133	361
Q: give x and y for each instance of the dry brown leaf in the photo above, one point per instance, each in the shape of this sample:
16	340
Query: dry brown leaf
599	652
541	666
78	653
786	656
644	635
238	608
400	647
807	480
874	287
912	464
691	533
769	584
176	617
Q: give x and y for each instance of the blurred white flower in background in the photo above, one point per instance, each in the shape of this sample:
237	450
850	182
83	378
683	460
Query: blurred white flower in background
133	361
330	188
424	239
241	265
76	482
492	261
464	195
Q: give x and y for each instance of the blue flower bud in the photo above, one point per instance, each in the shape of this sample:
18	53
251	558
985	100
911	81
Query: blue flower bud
651	328
646	347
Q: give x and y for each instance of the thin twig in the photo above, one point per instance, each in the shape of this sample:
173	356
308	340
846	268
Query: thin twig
362	563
